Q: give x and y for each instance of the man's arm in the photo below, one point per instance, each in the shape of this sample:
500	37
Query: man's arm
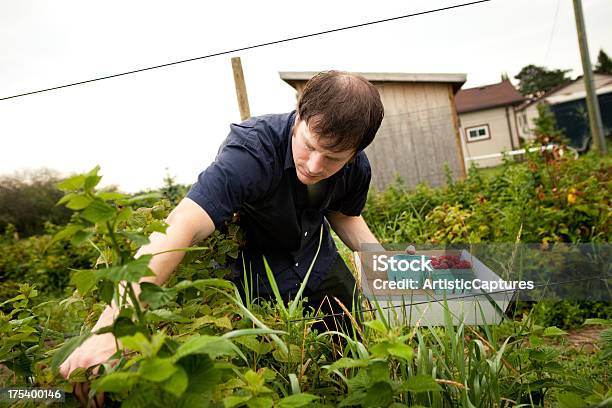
353	231
188	224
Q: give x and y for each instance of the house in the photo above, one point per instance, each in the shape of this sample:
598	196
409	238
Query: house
488	120
419	132
567	102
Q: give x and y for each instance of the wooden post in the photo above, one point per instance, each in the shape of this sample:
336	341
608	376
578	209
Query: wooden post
458	144
241	93
597	132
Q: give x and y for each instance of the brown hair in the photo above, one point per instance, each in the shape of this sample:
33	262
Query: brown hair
342	108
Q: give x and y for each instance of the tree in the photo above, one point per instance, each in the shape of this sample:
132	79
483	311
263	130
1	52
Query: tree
27	201
604	63
535	81
546	130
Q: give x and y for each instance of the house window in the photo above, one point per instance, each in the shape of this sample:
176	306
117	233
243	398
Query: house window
476	133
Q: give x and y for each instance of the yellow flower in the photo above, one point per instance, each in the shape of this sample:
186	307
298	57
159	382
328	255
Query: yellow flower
571	198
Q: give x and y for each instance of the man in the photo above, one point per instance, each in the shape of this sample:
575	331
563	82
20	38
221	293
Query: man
285	175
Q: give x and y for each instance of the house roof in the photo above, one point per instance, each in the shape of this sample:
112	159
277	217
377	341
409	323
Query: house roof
457	80
487	97
572	90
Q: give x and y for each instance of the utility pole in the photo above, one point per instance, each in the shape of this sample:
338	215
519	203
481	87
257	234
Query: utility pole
241	93
595	123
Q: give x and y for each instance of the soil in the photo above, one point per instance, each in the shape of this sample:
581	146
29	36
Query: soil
585	338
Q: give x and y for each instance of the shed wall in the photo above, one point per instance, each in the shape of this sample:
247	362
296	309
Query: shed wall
417	135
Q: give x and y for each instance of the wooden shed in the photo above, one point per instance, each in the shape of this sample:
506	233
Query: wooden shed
420	130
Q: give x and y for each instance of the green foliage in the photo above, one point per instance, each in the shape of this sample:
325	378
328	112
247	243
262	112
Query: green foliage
31	260
534	81
550	197
27	202
198	343
545	129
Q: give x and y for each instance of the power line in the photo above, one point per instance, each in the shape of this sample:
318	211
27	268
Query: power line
249	47
552	33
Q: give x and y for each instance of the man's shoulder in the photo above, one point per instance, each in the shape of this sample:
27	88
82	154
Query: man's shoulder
271	128
360	164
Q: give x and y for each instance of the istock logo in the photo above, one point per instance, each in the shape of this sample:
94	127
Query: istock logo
383	263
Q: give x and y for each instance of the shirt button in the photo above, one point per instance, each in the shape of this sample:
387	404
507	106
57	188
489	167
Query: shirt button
297	264
306	234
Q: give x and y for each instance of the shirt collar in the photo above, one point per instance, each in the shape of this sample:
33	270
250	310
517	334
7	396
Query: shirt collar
289	163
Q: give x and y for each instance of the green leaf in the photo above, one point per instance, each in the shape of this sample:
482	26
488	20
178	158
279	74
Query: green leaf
136	238
84	280
156	296
107	291
81	236
255	345
251	332
401	350
297	400
92	179
210	345
115	382
124	214
202	372
139	342
79	374
124	326
376	325
65	198
157	369
158	226
177	384
346	362
203	284
66	232
294	355
595	321
69	346
260	402
553	331
380	394
420	383
71	184
79	201
110	195
235	401
570	400
131	272
98	212
165	315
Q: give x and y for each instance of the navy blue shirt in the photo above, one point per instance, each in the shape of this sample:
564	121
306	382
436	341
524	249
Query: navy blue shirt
255	176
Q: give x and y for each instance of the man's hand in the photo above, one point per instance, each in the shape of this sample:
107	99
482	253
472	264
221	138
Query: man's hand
188	223
94	351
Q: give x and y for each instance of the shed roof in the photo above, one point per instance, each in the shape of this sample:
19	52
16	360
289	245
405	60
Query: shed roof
487	97
456	80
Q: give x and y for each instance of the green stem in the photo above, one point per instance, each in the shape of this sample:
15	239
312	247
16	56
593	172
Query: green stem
130	289
116	246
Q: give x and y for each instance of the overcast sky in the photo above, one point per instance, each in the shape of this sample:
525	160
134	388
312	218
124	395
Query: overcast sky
138	125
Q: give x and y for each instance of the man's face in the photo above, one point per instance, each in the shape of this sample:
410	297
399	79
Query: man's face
314	163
